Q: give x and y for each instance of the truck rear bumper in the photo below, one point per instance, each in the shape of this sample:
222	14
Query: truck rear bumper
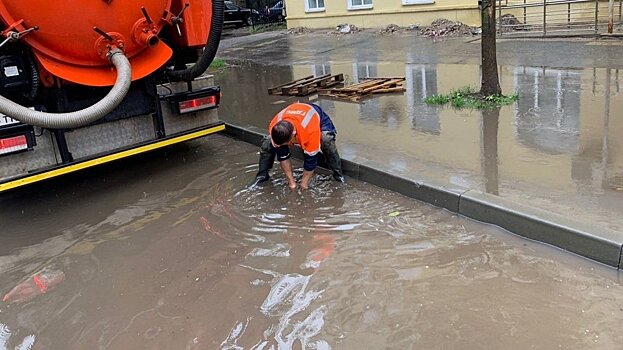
102	158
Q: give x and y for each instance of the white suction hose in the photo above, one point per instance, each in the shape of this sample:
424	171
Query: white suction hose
81	117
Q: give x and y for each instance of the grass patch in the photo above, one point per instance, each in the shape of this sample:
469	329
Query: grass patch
217	64
468	97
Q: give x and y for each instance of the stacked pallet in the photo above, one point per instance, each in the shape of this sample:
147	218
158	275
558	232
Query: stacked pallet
367	87
307	85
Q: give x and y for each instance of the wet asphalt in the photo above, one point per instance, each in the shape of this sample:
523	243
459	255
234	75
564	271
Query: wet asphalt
171	250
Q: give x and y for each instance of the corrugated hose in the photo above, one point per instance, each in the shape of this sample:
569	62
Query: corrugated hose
81	117
209	51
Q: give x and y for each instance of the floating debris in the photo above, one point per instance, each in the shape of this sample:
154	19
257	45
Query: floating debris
37	284
307	85
365	88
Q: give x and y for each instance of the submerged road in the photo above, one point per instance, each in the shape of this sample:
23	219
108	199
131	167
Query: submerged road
170	250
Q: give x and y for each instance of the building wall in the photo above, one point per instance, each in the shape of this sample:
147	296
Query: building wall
382	13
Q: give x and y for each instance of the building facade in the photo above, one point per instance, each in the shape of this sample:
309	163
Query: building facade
379	13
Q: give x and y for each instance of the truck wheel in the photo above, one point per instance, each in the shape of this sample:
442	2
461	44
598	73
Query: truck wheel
249	21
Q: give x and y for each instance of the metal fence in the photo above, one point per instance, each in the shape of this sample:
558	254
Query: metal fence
558	17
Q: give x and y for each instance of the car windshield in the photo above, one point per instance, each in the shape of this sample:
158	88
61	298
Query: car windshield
230	5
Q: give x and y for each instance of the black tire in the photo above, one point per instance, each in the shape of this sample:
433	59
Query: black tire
249	21
279	18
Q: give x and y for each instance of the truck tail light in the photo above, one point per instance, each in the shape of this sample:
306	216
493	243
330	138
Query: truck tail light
196	100
197	104
13	144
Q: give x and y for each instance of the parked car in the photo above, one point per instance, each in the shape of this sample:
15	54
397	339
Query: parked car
239	16
277	12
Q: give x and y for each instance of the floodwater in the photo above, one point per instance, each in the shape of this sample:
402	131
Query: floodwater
170	250
558	148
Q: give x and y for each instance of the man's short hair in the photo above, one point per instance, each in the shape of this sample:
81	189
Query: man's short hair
282	132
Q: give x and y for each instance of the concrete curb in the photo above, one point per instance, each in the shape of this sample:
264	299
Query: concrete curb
577	237
602	245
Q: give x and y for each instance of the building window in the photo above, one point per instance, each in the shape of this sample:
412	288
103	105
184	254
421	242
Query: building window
359	4
417	2
321	69
314	5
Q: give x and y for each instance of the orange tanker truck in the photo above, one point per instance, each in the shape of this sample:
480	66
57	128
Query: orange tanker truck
87	82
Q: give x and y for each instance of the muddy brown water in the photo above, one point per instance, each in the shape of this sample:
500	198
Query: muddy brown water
172	251
557	148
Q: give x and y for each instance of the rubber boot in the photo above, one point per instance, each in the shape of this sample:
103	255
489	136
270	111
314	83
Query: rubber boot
267	159
329	149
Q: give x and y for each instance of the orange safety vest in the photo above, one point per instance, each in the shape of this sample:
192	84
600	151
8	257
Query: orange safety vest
306	121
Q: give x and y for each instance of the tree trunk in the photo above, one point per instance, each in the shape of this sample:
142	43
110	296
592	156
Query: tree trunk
489	81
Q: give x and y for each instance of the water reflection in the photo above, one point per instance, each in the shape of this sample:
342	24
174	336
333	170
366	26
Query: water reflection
489	158
591	173
548	113
554	147
421	82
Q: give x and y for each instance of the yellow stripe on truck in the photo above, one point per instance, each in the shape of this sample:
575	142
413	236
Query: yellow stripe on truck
109	158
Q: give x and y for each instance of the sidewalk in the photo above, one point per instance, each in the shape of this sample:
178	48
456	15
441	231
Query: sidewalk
549	168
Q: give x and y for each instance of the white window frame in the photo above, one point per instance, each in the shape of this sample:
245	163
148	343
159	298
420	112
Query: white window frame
350	5
313	9
417	2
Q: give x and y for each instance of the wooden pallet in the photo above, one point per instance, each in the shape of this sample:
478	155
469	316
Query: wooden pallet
307	85
366	88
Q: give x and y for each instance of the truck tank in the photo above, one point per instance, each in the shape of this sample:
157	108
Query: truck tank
71	42
86	82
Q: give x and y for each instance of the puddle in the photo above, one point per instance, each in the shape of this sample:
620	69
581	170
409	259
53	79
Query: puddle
339	269
557	148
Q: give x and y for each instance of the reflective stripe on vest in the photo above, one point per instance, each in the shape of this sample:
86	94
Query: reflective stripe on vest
280	115
309	116
306	120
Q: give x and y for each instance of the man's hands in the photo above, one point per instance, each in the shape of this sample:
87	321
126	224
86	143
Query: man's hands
292	185
286	166
307	176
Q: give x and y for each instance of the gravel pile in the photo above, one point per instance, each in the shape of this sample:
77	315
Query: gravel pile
390	29
298	31
447	28
511	23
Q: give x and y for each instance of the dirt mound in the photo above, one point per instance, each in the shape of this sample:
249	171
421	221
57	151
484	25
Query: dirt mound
447	28
396	29
511	23
390	29
345	28
298	31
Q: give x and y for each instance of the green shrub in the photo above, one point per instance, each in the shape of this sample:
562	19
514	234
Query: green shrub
468	97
